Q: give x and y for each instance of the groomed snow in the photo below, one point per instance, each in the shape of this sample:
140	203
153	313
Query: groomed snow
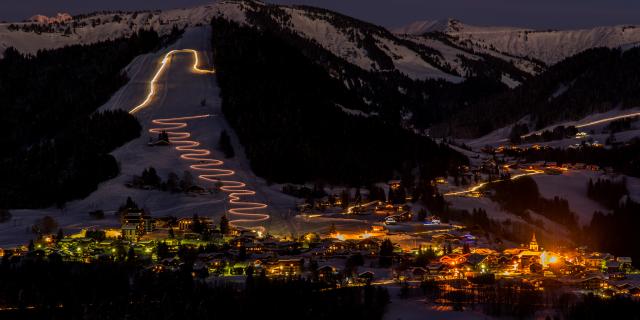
180	94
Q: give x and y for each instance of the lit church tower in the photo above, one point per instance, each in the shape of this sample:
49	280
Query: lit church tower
533	245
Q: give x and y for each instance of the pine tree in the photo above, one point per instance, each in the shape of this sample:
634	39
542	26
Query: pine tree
224	225
173	182
224	143
196	225
187	181
131	255
386	253
332	228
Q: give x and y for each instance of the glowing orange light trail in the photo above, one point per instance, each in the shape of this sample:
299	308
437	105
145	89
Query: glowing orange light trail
211	170
210	167
163	65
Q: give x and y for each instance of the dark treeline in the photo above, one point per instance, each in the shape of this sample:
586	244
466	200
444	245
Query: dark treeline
54	145
514	299
293	130
615	232
388	92
621	125
557	133
520	195
595	80
623	158
54	289
606	192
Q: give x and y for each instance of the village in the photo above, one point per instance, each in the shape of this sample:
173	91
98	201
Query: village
442	254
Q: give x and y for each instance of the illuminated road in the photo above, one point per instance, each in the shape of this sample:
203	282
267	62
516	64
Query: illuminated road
350	208
589	124
209	168
593	123
480	185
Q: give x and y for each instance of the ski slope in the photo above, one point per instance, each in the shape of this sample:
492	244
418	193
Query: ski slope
179	93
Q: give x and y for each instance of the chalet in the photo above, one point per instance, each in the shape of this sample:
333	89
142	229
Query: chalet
130	232
612	266
477	262
285	267
625	263
140	219
196	190
595	260
593	167
579	166
327	272
366	276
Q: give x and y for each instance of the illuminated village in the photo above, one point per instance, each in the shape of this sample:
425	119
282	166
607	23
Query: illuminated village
445	254
245	159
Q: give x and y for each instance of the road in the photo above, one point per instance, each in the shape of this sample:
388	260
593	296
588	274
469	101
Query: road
480	185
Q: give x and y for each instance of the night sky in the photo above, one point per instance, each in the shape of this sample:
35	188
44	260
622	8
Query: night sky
558	14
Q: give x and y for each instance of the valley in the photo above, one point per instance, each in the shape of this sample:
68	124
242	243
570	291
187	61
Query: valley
241	147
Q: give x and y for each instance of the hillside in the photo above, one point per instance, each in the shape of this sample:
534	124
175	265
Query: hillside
548	46
595	81
370	47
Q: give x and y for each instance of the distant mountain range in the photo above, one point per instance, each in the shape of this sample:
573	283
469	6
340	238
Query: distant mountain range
548	46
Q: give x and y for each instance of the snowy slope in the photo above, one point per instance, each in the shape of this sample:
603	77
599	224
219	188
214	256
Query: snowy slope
86	29
342	36
421	27
548	46
180	93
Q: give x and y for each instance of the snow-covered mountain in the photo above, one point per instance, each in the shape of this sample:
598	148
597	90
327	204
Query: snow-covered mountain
41	33
370	47
59	18
421	27
548	46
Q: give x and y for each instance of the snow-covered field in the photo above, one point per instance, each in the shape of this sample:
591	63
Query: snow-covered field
180	93
592	124
571	185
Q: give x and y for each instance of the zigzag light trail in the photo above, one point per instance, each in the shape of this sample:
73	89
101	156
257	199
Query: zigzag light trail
210	168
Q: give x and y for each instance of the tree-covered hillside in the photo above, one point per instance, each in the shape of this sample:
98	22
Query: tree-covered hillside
286	109
596	80
54	147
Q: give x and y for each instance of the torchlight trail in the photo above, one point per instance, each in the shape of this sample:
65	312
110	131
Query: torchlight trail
163	65
210	167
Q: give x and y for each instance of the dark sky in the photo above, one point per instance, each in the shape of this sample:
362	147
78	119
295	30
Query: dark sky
558	14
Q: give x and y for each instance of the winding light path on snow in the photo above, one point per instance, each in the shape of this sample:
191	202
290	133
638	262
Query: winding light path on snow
209	167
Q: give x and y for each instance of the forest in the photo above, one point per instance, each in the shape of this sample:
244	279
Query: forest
621	220
596	80
295	131
520	195
55	145
40	286
623	158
